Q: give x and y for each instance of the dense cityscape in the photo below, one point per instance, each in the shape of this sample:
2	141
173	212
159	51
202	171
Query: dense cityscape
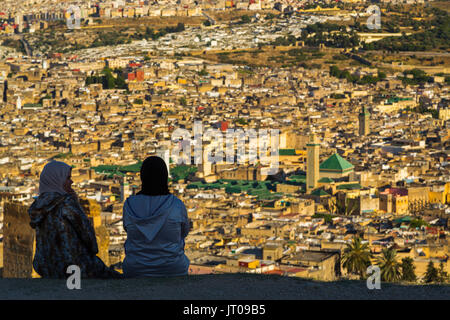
353	169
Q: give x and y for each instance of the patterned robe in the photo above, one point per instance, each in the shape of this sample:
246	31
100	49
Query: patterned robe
64	237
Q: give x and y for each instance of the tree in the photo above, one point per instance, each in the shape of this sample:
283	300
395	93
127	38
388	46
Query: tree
390	268
432	273
180	27
381	75
346	207
89	80
443	275
120	82
203	72
107	82
148	32
108	79
417	223
408	269
356	257
245	19
233	189
183	101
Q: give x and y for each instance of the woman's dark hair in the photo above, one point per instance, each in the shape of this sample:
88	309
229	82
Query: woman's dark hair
154	177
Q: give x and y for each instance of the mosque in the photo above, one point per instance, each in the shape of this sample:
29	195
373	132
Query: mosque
333	168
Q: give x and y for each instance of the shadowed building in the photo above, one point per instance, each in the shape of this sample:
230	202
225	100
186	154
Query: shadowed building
318	265
394	200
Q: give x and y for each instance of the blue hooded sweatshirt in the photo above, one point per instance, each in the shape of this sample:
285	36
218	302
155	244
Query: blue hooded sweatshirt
156	227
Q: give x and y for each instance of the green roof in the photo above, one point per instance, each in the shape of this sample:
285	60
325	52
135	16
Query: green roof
403	219
286	152
350	186
326	180
319	192
336	163
297	178
397	99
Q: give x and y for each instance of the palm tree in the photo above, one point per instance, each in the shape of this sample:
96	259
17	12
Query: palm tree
348	209
408	269
356	257
345	208
390	268
432	274
443	275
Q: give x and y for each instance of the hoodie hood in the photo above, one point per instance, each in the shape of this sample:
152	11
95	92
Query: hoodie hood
42	206
148	213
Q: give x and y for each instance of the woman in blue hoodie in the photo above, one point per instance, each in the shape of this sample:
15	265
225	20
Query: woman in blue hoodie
156	223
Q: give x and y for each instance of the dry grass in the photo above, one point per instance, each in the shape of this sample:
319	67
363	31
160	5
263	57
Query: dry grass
268	56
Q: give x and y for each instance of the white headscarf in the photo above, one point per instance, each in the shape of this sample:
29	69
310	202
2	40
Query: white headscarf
53	177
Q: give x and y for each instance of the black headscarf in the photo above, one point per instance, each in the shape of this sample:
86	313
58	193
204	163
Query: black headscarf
154	177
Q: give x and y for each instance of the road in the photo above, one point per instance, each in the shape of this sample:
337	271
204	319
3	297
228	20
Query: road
26	46
410	53
211	20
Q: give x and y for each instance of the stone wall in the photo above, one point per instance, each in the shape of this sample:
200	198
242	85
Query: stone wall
19	238
93	210
1	259
18	242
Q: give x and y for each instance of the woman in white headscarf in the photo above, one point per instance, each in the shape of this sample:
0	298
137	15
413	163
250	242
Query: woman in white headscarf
64	235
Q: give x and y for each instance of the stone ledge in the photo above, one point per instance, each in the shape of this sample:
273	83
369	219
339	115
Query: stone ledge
215	287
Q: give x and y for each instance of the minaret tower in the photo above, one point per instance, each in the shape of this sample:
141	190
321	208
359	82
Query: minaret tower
364	122
312	163
19	103
124	190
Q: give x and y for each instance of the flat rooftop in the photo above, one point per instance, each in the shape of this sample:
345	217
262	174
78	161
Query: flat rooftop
313	256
